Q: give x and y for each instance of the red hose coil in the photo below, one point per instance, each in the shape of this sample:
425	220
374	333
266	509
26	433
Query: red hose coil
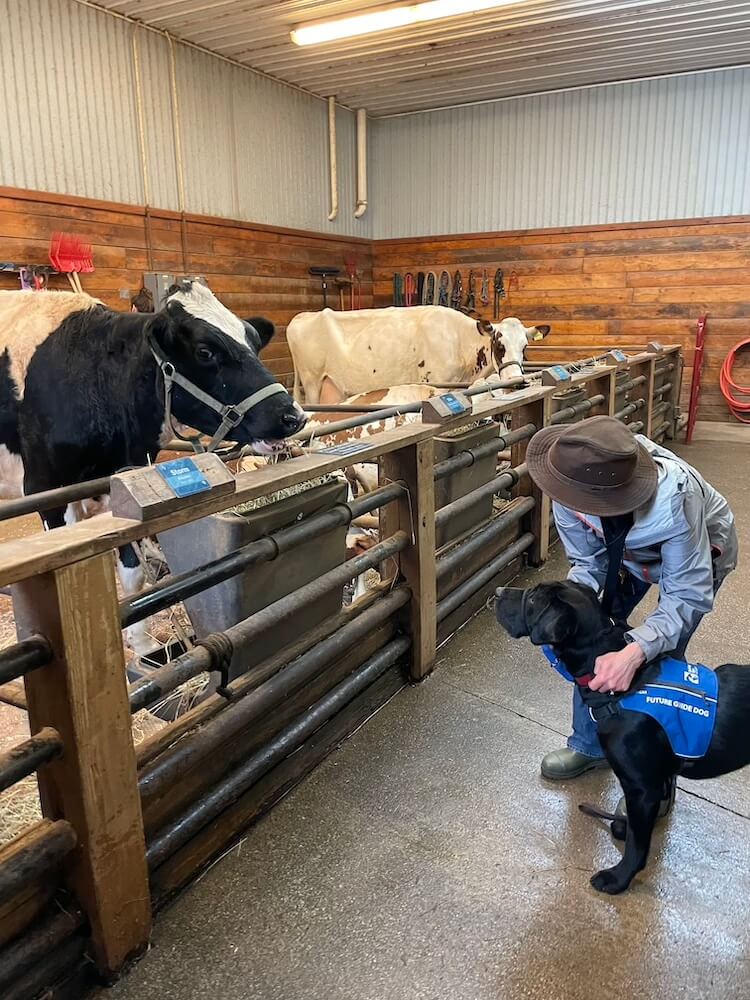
730	388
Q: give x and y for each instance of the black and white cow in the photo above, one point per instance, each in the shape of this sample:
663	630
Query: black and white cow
82	389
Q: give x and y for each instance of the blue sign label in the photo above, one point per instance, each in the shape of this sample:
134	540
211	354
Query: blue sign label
183	477
562	373
619	355
453	404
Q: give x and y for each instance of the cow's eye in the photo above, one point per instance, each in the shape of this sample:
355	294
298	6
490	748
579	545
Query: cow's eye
204	354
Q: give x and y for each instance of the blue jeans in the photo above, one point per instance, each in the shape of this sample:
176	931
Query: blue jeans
585	738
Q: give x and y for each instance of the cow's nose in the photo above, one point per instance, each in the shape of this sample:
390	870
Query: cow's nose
293	421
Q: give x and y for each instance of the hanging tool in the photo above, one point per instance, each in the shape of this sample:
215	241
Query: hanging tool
484	296
471	297
69	255
344	285
324	273
499	289
350	262
444	289
458	290
429	292
398	289
410	289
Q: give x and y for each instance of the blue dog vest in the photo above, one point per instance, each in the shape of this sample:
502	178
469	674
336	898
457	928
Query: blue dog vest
682	698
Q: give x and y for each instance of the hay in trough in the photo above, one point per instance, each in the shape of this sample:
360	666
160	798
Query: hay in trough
19	805
289	491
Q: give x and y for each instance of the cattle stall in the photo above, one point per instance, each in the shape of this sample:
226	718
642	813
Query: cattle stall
79	888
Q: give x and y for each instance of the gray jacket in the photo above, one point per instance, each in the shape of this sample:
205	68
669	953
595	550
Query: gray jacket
670	544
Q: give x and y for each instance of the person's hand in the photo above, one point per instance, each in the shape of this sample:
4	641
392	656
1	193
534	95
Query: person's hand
615	671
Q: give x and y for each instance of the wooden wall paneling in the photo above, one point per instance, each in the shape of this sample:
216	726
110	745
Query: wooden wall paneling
254	269
612	285
619	285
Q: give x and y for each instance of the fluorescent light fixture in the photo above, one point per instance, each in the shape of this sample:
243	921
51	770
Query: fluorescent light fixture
386	20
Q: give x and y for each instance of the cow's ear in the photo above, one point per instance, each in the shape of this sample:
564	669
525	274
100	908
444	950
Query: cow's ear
539	332
485	328
264	328
161	328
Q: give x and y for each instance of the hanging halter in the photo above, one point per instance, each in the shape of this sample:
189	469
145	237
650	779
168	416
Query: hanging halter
232	414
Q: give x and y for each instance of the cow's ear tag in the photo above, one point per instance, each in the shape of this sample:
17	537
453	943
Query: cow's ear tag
538	336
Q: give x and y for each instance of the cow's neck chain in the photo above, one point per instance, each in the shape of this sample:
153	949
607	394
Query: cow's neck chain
231	414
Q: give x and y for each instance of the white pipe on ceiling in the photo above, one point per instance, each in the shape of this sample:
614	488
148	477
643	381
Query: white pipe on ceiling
333	166
361	164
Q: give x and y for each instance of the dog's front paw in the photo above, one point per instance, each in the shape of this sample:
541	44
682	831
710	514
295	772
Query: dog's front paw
610	881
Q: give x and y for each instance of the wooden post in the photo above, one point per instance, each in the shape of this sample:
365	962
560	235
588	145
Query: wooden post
82	693
601	383
415	514
650	368
537	412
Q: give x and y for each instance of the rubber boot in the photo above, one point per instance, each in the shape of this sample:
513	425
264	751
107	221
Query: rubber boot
562	765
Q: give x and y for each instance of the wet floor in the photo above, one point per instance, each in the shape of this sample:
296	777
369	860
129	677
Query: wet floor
427	859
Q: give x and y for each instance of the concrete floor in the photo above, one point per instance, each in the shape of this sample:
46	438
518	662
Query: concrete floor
428	859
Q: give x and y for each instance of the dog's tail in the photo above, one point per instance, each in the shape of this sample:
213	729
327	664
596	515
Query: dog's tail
596	813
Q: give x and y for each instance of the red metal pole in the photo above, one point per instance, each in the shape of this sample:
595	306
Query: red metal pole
695	384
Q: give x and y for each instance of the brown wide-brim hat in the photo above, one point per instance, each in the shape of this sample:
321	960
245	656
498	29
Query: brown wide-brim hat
595	466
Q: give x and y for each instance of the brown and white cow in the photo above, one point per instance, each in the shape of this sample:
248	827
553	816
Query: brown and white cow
340	354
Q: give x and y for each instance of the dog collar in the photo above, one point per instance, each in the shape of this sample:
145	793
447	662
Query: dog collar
557	664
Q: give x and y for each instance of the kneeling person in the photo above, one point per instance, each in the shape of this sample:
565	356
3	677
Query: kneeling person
630	515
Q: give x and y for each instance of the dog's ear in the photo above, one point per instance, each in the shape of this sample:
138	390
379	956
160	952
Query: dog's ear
556	624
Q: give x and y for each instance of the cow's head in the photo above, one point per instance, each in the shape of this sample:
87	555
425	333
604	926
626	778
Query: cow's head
218	353
509	340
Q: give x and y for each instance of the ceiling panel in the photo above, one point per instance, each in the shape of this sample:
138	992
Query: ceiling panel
524	47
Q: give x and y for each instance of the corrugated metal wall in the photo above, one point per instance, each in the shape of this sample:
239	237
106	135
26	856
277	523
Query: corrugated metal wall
256	150
252	149
659	149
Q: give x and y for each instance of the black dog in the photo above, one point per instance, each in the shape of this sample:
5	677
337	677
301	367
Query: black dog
568	617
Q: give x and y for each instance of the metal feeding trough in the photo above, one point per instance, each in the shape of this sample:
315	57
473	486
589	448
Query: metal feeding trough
193	545
463	482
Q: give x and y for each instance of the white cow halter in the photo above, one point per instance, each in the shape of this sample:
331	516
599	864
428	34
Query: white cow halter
231	414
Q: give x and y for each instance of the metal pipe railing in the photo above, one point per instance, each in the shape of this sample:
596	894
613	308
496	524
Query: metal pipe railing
505	481
483	576
374	416
159	776
636	427
633	407
661	389
198	660
475	543
265	549
465	459
569	412
661	430
23	656
177	832
22	760
36	503
632	384
39	853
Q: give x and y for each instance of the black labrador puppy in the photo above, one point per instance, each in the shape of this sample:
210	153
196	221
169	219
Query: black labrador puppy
568	617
